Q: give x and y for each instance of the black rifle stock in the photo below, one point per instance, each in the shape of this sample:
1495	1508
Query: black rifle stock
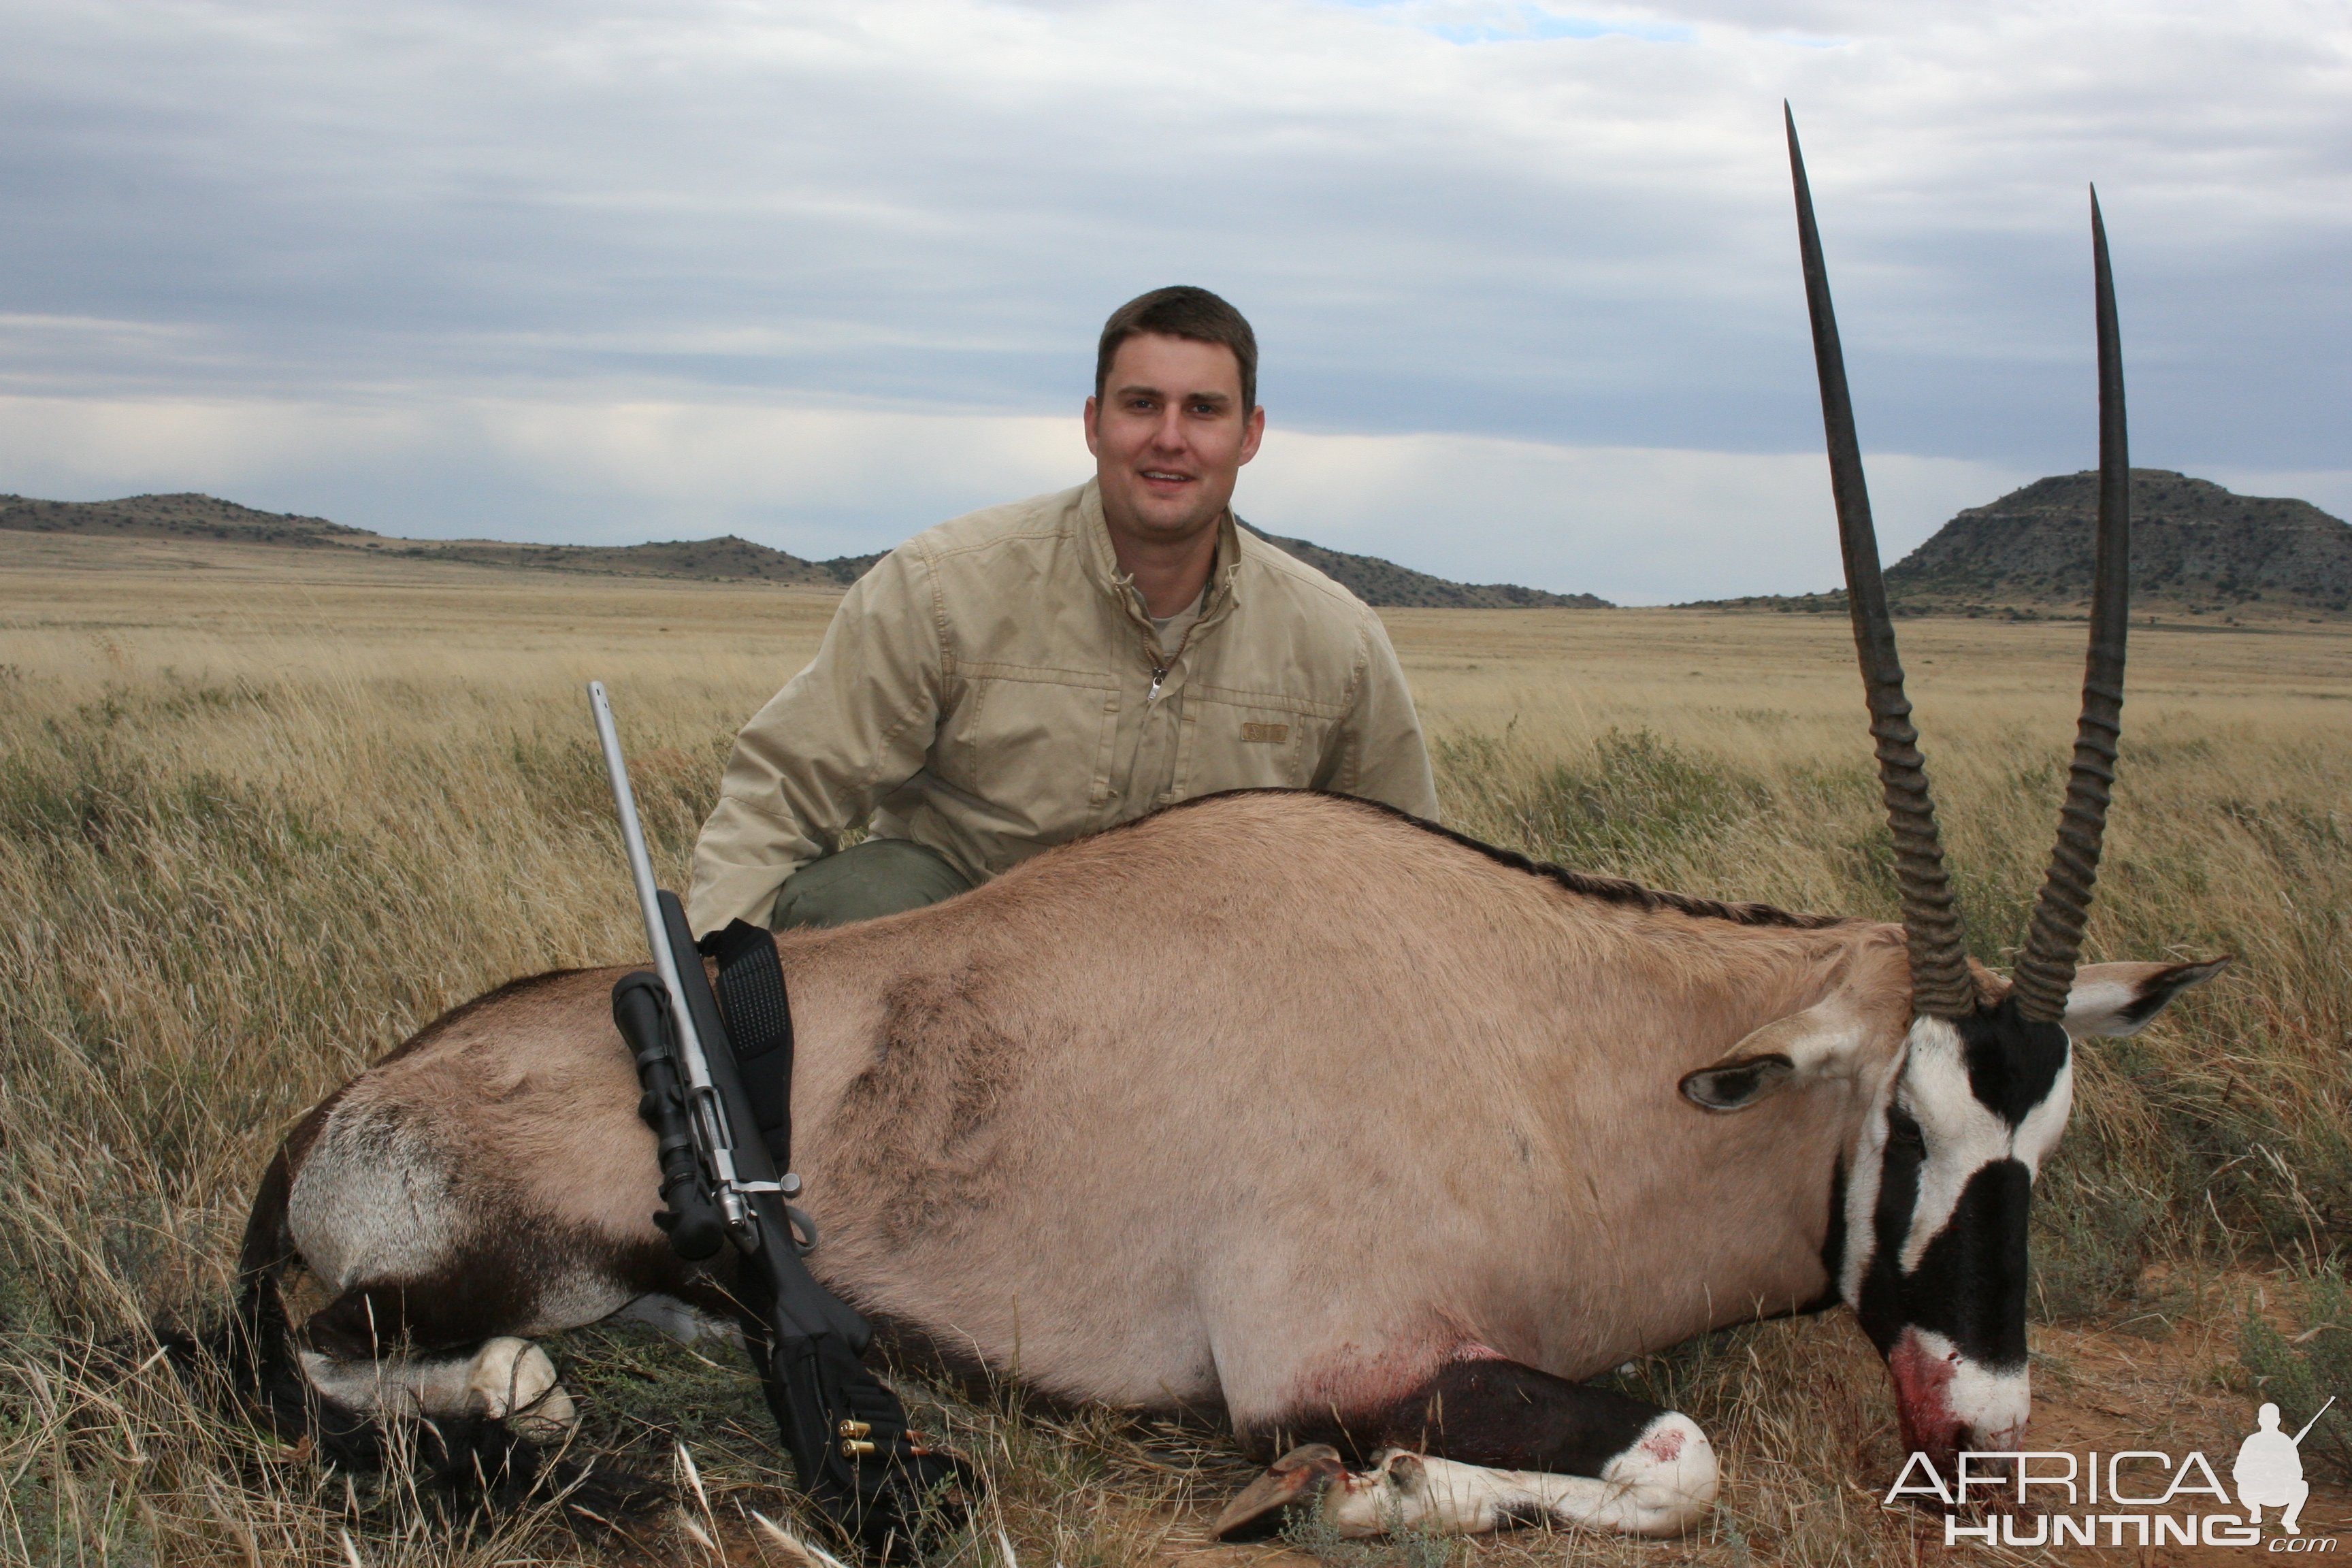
845	1429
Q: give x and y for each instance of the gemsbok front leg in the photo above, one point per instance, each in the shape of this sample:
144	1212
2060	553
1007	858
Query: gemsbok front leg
1487	1444
505	1380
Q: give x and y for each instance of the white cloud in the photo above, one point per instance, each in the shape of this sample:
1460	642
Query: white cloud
1637	525
471	233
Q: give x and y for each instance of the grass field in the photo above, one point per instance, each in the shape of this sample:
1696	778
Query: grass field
263	813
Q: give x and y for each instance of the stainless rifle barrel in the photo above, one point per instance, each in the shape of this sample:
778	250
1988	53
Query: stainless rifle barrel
709	1116
641	869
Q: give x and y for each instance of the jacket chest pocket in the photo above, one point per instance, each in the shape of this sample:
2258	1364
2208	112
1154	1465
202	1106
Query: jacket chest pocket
1035	746
1252	741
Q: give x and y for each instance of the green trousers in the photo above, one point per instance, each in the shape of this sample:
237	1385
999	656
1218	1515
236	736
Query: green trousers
866	881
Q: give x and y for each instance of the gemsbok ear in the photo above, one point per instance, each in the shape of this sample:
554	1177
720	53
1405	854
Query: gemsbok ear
1816	1040
2112	1000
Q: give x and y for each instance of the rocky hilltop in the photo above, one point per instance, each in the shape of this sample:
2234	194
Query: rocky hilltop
1381	584
2193	544
2197	548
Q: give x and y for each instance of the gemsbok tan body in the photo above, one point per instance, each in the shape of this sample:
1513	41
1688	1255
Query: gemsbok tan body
1274	1106
1287	1109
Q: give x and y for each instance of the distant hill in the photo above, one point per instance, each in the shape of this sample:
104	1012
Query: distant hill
186	516
1384	584
725	559
2196	549
190	516
1378	583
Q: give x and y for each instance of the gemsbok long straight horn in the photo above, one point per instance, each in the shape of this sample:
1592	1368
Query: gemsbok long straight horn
1940	982
1988	1066
2045	970
1941	985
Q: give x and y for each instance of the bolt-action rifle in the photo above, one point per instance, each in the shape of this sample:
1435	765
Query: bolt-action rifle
718	1103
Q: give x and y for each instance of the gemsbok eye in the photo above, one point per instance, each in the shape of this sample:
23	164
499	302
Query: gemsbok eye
1902	1130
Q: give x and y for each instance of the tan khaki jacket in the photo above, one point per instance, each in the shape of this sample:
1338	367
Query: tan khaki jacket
991	688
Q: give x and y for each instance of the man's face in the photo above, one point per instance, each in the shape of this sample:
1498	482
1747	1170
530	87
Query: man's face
1169	435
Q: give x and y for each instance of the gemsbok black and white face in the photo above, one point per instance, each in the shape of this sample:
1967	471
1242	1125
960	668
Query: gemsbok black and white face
1929	1239
1936	1211
1939	1190
1933	1233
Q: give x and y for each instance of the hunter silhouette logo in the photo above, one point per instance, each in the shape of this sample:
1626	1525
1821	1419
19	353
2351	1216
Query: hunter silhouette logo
2269	1472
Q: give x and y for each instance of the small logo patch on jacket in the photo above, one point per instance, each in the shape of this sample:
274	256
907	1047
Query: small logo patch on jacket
1268	734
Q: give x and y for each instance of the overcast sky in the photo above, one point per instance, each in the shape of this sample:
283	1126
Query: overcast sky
1524	273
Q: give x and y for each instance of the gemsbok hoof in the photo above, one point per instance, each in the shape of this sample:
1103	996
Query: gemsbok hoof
513	1381
1663	1485
1301	1475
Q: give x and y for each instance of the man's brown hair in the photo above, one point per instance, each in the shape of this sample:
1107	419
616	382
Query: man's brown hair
1181	312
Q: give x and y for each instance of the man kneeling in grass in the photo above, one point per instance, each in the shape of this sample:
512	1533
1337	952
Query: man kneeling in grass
1026	674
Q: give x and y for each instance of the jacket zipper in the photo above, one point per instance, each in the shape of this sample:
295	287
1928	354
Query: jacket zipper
1161	663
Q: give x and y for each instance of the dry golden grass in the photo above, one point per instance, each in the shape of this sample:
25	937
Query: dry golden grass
262	814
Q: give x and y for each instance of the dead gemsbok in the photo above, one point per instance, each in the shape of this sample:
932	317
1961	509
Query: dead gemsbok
1290	1109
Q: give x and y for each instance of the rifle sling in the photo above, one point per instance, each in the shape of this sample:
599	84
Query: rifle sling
759	1027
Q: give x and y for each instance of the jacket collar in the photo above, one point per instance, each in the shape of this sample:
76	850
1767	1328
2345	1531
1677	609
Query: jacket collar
1102	560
